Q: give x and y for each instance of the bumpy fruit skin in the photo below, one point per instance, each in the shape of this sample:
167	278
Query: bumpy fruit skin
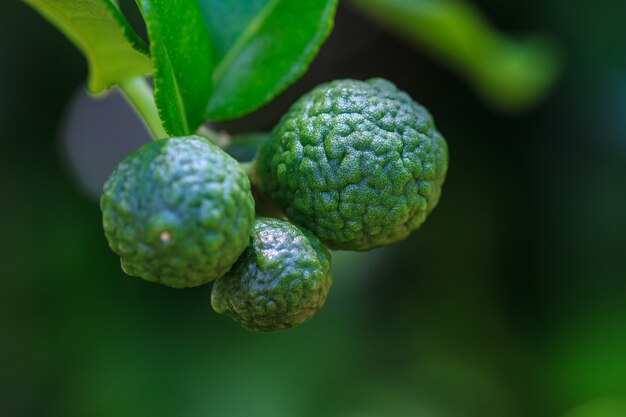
358	162
282	278
178	211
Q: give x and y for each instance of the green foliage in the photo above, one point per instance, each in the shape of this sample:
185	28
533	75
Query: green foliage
183	58
602	407
262	46
511	74
178	211
453	323
281	279
98	28
211	59
359	163
586	357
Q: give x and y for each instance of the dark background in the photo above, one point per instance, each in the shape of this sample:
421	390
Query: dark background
509	302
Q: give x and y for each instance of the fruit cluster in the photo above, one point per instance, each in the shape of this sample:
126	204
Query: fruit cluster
353	165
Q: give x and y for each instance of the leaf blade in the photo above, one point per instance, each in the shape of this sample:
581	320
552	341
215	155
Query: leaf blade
262	49
183	60
113	50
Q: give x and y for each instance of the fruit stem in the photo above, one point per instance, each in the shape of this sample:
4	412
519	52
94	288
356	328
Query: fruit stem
139	94
221	139
248	168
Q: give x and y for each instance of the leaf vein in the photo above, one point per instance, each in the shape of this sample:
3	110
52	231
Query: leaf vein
180	103
251	30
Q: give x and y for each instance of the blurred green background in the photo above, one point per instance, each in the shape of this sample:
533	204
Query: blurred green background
509	302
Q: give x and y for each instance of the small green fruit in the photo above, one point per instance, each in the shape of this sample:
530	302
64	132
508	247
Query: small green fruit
282	278
178	211
358	163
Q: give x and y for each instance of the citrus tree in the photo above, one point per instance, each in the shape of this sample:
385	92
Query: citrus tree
352	165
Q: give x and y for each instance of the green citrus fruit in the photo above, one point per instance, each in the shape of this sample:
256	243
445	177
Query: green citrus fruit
282	278
358	162
178	211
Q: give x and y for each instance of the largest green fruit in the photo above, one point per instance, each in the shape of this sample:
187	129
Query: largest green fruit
178	211
359	163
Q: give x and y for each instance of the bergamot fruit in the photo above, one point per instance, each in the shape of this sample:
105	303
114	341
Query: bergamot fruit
282	278
178	211
357	162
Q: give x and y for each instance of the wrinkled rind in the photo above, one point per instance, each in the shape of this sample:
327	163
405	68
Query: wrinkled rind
280	280
358	162
185	187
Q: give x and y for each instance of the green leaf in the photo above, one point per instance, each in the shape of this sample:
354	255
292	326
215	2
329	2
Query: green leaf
262	46
183	61
510	74
113	50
